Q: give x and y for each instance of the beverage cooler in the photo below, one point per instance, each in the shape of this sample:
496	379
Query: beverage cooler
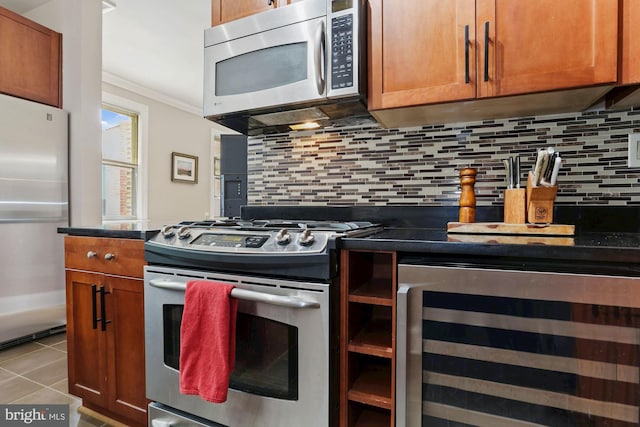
497	347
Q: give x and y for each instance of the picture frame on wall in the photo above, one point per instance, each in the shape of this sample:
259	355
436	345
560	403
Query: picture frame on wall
184	168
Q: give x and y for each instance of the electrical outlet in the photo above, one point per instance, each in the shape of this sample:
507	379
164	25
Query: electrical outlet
634	150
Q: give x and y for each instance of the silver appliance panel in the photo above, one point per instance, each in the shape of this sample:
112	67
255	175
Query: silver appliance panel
536	289
300	304
265	93
229	241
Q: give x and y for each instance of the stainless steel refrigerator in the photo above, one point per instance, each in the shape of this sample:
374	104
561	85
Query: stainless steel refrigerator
33	204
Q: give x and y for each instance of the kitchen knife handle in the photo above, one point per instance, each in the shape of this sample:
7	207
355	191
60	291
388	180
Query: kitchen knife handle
466	54
486	51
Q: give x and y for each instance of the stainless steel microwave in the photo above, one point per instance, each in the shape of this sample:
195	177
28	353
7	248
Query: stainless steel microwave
293	65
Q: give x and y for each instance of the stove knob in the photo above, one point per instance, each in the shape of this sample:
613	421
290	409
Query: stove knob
167	231
184	232
306	238
283	237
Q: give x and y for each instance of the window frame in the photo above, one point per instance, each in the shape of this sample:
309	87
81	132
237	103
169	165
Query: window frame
126	106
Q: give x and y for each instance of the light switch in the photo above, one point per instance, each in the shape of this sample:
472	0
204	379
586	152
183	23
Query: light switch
634	150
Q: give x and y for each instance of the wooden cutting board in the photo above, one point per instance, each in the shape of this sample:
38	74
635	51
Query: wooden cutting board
503	228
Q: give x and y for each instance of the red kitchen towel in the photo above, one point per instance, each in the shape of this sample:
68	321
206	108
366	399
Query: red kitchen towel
207	340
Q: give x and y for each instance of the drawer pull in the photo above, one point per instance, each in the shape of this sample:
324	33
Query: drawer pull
109	256
91	254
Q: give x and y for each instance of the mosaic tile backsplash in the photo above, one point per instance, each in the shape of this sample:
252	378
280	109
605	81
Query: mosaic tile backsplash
420	165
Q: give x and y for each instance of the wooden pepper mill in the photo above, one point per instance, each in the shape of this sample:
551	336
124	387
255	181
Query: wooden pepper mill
468	195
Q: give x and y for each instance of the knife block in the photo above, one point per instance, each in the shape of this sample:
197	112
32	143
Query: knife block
540	203
515	206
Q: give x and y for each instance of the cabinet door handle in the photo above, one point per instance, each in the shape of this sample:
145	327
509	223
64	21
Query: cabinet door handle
94	308
466	54
486	51
109	256
103	319
91	254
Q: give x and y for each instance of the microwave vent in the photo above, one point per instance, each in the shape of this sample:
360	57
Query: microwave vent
288	117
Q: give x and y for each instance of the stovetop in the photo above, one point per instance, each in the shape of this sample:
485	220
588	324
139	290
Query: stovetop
257	237
253	224
286	248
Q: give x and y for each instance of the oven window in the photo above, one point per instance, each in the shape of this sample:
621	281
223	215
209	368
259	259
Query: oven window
266	353
262	69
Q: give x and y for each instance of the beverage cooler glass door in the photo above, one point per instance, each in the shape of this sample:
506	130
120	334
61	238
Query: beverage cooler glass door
501	347
281	66
281	366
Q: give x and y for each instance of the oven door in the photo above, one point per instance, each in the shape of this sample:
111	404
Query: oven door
285	65
281	375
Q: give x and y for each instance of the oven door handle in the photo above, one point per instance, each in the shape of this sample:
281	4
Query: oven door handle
245	294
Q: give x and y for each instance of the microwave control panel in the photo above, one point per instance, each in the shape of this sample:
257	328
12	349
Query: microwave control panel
342	52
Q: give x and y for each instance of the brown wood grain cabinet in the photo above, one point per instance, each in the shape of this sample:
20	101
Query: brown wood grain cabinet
229	10
433	51
627	94
367	339
105	326
31	65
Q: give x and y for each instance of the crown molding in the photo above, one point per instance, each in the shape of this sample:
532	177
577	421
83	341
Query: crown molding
122	83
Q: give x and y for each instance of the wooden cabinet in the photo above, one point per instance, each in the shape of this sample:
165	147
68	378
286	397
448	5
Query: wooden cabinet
228	10
467	49
105	326
367	339
628	93
629	56
31	66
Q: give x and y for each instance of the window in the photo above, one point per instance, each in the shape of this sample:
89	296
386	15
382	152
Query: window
119	164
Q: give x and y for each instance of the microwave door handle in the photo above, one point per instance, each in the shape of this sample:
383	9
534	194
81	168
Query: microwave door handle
320	49
245	294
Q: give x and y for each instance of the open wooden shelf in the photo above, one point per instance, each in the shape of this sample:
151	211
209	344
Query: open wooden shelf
373	387
376	292
374	339
367	343
373	418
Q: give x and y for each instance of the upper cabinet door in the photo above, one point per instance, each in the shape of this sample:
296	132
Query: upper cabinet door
31	66
544	45
421	52
228	10
630	43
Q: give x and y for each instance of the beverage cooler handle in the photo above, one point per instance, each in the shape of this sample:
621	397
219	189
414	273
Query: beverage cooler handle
245	294
320	58
402	305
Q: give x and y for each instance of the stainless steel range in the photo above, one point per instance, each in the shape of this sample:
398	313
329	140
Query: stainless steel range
285	277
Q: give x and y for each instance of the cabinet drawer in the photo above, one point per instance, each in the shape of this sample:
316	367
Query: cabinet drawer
92	253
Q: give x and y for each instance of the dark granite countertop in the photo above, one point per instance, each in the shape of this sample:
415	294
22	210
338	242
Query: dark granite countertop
122	230
588	251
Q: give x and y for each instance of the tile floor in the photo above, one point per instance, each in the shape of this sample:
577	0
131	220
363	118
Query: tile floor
36	372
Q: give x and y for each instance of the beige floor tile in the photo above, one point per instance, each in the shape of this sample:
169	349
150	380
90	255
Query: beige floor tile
46	396
61	386
61	346
32	360
20	350
49	374
5	375
53	339
16	388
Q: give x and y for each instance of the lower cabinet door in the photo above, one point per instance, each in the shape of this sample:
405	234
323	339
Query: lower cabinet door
86	342
125	345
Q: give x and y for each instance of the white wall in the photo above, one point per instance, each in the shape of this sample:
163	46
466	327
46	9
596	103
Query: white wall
171	129
80	22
